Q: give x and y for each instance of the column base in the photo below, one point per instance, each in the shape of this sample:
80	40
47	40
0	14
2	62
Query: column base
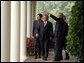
23	58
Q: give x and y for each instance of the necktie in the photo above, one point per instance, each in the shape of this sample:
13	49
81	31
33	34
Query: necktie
45	24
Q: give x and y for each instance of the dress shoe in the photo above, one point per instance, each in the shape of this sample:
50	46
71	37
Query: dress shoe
39	56
57	59
35	57
67	58
45	59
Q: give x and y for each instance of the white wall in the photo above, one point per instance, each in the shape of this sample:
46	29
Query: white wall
5	31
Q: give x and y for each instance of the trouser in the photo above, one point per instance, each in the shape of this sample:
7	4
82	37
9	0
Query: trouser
58	49
58	52
45	48
38	48
59	45
66	53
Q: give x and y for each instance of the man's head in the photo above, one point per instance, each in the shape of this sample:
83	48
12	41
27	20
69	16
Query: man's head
61	16
45	17
39	16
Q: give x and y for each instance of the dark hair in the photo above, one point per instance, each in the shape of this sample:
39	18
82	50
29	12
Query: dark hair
46	15
40	15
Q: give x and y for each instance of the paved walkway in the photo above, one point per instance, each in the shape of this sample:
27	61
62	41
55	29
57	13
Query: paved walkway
50	58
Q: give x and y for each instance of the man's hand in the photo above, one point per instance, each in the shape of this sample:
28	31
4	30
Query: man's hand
36	35
32	37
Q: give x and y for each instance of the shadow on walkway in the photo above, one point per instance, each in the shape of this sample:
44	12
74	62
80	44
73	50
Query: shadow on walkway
51	58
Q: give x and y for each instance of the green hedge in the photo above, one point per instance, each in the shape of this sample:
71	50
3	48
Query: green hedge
75	33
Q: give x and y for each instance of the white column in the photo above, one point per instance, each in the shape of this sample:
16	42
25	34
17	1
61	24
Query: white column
5	31
23	31
33	14
15	32
28	18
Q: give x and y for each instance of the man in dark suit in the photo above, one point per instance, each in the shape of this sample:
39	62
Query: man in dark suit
46	34
36	35
61	30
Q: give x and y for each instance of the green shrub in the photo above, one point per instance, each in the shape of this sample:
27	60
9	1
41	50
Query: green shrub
75	33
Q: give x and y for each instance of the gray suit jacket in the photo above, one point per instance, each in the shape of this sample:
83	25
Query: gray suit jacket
48	30
37	29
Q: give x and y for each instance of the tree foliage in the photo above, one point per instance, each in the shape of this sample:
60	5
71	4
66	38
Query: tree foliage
75	34
53	7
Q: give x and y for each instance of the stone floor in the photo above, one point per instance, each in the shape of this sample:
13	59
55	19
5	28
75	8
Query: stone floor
51	58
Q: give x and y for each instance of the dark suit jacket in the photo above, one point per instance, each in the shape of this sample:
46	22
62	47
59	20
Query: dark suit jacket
47	31
61	28
36	27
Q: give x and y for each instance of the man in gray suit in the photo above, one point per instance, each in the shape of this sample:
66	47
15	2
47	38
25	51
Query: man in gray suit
36	35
